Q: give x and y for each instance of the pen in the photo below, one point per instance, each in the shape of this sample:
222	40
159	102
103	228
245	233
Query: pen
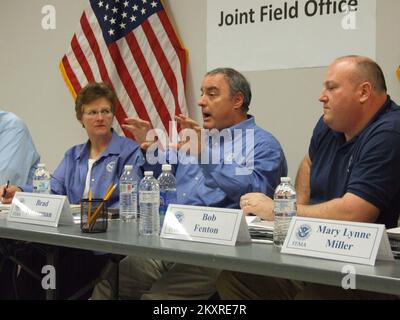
89	205
5	189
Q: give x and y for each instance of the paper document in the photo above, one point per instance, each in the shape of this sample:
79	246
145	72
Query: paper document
250	219
260	230
394	239
76	213
394	233
5	208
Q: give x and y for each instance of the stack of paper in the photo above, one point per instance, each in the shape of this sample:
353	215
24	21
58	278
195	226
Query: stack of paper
394	233
394	239
76	213
75	209
5	208
260	230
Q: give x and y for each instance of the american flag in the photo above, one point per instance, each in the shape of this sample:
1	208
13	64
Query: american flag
131	45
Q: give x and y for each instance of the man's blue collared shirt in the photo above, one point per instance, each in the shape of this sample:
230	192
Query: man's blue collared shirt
253	161
18	155
70	176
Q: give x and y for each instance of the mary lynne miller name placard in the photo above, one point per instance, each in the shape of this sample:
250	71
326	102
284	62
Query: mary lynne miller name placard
338	240
287	10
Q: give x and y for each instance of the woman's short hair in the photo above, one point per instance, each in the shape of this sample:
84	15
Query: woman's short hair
91	92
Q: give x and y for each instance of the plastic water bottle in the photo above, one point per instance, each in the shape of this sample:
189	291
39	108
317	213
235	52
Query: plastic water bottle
41	180
285	208
167	183
149	202
127	194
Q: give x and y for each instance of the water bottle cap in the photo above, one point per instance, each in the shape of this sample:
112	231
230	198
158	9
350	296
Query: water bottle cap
128	167
166	167
41	165
148	173
285	179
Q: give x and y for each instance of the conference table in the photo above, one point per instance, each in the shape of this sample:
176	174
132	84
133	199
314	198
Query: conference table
122	238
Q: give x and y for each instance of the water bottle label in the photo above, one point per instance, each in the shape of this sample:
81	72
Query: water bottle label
41	186
149	197
125	187
285	205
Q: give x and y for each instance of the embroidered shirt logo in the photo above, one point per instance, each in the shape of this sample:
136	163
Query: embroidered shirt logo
110	166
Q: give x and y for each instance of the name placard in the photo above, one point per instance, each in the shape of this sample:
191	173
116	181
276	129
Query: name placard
338	240
43	209
205	224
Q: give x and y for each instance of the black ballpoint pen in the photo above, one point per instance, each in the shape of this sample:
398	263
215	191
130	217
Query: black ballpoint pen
5	189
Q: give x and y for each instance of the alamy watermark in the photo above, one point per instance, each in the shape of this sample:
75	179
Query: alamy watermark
349	21
49	17
349	280
49	280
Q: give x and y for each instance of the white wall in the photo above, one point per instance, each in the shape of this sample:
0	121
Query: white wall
32	86
285	102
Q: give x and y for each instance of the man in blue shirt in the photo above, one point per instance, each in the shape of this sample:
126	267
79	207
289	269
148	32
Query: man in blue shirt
251	161
18	155
18	162
351	172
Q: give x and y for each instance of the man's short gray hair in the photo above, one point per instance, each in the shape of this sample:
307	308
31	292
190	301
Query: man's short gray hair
237	83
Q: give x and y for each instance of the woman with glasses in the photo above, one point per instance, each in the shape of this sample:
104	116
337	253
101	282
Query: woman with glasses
98	163
89	167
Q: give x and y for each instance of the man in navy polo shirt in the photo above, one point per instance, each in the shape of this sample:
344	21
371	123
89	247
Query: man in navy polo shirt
351	172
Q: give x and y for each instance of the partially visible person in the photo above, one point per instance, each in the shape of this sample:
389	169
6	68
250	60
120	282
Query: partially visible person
18	162
253	161
351	172
92	166
18	155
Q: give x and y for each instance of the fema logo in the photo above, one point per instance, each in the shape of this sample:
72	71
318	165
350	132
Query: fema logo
179	216
303	232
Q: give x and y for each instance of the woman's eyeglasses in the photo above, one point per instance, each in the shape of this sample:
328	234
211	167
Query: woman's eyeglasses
94	113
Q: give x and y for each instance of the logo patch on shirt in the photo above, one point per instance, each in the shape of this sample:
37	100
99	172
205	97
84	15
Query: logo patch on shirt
110	166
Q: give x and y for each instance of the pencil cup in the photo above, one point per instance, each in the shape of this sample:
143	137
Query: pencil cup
93	215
